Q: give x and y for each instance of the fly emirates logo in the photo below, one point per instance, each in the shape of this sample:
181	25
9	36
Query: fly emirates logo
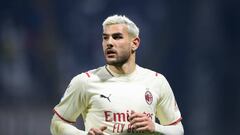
121	121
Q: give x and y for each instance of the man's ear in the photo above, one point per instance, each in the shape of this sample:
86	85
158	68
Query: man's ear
135	43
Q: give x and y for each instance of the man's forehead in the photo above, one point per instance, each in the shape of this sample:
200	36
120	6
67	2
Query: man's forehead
115	28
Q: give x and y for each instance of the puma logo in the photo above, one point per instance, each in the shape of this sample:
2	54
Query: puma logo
108	98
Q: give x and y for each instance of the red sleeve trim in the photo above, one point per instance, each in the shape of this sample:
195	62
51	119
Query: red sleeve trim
62	117
87	74
175	122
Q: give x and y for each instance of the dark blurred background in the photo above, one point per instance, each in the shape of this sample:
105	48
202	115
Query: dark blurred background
195	44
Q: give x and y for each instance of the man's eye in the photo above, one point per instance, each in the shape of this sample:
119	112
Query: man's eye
117	37
105	37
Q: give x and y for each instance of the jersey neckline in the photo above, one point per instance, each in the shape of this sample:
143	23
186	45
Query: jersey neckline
112	73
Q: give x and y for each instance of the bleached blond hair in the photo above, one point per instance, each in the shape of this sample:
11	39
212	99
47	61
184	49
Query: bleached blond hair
122	19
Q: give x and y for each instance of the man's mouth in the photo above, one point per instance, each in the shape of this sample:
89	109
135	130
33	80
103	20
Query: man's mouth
110	53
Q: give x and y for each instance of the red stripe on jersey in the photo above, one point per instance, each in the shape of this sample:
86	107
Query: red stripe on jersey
62	117
175	122
87	74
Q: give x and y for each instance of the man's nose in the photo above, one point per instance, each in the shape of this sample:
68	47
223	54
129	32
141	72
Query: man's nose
110	43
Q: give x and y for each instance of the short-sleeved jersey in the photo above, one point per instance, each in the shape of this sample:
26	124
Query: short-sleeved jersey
104	98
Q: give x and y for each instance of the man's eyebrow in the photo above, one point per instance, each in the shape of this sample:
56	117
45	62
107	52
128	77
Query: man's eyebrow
104	34
117	33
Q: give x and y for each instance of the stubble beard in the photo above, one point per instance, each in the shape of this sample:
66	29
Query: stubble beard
119	60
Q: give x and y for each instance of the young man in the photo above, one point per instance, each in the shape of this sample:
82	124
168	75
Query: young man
120	97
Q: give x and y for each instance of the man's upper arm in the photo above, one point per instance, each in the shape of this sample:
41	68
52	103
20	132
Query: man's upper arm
167	109
73	103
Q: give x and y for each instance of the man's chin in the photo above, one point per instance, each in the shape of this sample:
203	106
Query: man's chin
115	63
111	62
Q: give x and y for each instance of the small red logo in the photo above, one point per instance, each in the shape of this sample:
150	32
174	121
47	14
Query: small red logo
148	97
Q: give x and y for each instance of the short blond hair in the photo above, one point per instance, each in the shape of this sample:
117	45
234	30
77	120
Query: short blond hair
122	19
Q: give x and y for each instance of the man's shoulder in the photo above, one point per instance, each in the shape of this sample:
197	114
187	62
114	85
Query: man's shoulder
152	76
93	74
149	72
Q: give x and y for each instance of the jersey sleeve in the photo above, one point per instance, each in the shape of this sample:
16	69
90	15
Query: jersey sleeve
73	102
167	108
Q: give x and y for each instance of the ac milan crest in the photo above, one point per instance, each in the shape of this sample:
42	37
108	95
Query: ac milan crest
148	97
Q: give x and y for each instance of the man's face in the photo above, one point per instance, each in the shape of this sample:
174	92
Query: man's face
116	44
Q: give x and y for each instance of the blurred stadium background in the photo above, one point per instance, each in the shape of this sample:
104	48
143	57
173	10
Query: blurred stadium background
195	44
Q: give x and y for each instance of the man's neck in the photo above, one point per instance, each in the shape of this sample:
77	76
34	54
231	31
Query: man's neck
126	68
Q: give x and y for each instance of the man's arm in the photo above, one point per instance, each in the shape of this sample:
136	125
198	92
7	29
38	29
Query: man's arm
141	122
168	112
176	129
70	107
60	127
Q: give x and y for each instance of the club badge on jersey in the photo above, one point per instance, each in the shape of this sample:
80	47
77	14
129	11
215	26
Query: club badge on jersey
148	97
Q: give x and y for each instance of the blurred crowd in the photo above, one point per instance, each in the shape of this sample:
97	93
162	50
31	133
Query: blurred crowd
195	44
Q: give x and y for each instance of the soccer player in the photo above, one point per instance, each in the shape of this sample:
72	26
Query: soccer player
120	97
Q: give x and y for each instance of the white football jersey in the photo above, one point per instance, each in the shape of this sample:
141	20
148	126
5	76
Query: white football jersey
104	98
